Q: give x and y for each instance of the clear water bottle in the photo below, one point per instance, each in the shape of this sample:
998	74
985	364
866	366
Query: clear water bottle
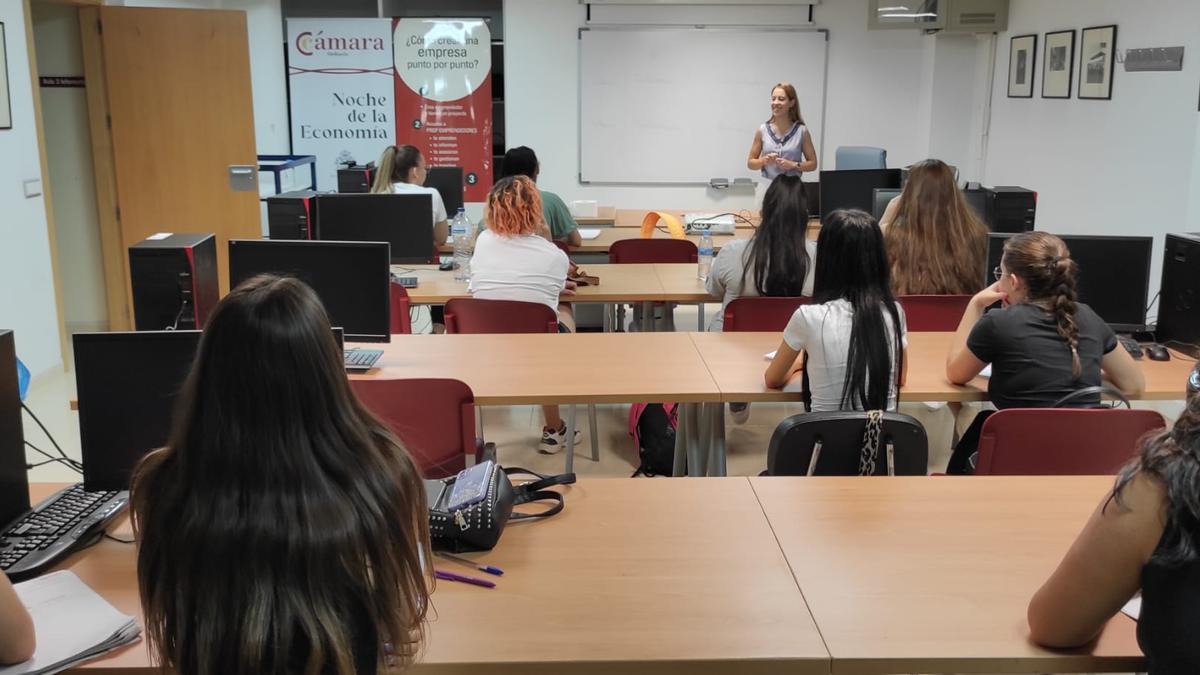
463	241
706	255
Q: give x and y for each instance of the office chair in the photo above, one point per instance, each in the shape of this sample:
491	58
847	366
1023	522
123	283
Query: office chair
860	157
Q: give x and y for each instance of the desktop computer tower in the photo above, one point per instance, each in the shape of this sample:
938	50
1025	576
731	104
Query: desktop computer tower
292	215
355	178
1010	209
174	280
1179	302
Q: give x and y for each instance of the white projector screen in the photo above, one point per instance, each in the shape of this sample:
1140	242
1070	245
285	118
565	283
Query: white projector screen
680	105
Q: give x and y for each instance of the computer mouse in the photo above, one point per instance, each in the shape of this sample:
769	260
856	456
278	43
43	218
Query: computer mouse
1158	353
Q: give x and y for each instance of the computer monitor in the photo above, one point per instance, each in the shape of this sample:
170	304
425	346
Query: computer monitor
977	199
405	221
1114	275
854	189
1179	305
448	181
126	384
14	479
352	278
883	196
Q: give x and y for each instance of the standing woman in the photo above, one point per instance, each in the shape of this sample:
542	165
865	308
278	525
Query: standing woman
402	170
782	145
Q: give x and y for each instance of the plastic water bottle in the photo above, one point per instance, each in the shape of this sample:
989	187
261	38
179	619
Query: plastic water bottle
463	240
706	255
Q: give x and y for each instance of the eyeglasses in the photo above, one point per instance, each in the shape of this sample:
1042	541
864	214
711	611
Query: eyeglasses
1194	381
998	273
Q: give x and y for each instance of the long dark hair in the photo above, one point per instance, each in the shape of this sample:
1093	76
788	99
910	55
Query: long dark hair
777	252
282	524
1044	263
1172	456
852	266
394	166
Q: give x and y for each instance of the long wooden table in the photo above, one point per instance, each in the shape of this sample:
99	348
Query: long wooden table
863	576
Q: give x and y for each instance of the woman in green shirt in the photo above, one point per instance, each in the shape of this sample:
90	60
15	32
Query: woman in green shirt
521	161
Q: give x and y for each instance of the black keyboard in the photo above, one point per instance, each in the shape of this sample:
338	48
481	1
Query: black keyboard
361	359
1131	346
62	522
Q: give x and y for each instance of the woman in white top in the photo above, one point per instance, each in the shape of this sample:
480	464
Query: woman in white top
514	260
782	144
854	333
402	170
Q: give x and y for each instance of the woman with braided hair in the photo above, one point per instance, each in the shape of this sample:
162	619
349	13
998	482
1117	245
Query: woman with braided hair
1042	344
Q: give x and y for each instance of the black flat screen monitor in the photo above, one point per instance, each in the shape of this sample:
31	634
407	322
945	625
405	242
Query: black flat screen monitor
405	221
1114	275
448	181
854	189
14	478
126	385
352	278
882	197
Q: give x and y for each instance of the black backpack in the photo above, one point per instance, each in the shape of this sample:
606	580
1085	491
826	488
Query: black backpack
655	434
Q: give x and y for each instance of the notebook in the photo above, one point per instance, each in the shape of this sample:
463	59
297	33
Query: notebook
73	624
587	233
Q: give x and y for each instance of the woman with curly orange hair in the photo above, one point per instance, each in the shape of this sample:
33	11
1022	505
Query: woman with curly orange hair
514	260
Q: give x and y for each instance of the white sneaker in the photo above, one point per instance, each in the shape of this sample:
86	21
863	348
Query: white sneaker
553	441
739	412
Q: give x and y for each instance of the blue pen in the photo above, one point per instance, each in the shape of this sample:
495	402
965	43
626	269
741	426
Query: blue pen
469	563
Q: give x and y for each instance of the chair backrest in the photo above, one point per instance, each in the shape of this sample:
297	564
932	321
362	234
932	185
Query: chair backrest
1061	441
473	315
562	246
401	321
758	313
933	313
829	443
859	157
882	197
653	251
433	418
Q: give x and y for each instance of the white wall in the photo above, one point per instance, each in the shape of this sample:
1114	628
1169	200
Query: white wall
27	302
1125	166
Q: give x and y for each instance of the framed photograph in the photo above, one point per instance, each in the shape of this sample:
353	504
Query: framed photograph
1097	56
1058	64
1022	53
5	105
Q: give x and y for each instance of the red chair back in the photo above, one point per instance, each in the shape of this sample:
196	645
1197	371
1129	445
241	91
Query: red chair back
755	313
562	246
940	313
1061	441
401	322
653	251
472	315
433	418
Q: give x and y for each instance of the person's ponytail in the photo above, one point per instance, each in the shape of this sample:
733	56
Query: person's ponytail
383	172
1064	307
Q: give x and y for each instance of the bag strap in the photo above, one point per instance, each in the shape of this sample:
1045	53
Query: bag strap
538	496
1093	391
869	451
535	491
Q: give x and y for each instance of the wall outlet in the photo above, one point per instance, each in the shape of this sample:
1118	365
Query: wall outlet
33	187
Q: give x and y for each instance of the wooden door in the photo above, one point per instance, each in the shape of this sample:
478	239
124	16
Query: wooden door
172	96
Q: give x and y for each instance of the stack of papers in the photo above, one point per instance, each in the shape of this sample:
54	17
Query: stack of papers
586	233
73	624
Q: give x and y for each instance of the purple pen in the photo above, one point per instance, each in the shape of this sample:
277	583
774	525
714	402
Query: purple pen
462	578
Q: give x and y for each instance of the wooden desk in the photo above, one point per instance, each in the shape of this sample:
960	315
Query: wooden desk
608	235
737	362
633	217
933	575
634	576
605	217
618	283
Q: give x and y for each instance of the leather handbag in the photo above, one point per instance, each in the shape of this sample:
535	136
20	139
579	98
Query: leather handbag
478	526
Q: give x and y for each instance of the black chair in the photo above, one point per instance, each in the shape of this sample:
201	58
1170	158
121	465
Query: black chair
828	444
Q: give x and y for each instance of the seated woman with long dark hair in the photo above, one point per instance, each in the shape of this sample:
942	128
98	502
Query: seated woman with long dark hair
282	529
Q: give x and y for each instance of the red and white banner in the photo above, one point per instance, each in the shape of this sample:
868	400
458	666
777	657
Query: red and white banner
444	95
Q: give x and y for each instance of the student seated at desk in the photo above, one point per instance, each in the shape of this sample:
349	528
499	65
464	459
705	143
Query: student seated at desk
936	244
283	527
514	261
853	334
402	170
521	161
1043	345
1144	535
17	639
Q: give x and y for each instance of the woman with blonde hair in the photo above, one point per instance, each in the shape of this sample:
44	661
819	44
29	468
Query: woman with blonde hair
402	170
782	144
936	243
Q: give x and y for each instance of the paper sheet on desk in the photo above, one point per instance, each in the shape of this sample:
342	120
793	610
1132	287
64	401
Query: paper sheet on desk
1133	608
987	371
72	622
587	233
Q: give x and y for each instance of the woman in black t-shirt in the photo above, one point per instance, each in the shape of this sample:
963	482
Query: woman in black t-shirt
1042	345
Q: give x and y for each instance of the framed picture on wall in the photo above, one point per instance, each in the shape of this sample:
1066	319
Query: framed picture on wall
5	105
1022	53
1097	55
1058	64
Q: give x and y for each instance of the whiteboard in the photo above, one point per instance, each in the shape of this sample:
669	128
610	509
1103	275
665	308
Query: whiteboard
680	105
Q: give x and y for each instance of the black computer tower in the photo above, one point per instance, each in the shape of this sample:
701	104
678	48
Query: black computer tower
355	178
174	280
1179	302
1010	209
14	481
292	215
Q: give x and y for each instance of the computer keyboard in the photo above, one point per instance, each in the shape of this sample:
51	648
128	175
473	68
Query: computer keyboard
1131	346
362	359
52	529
